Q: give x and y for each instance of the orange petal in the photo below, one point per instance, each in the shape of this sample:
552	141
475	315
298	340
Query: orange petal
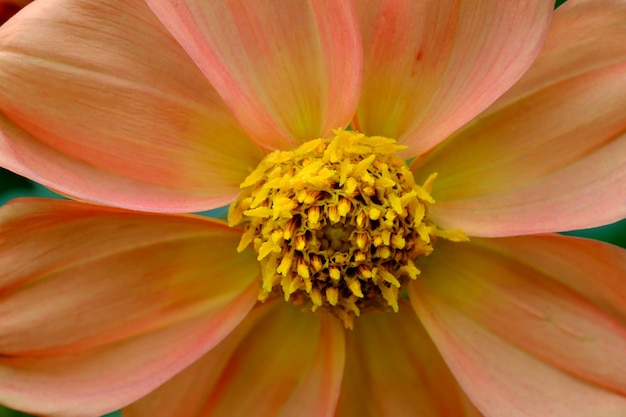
550	154
100	306
100	380
289	71
394	369
187	393
430	66
531	326
278	362
100	103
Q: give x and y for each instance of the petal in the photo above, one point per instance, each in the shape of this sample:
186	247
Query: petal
100	103
100	380
278	362
531	326
99	306
187	393
289	71
394	369
549	155
430	66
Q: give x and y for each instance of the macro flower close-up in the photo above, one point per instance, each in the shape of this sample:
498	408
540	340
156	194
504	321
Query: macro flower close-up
391	177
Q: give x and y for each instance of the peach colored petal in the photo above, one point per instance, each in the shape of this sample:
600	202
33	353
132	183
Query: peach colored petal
585	35
85	288
100	103
100	380
289	71
278	362
150	270
187	393
393	369
550	154
430	66
531	326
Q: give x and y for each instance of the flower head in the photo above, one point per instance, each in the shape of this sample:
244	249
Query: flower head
346	281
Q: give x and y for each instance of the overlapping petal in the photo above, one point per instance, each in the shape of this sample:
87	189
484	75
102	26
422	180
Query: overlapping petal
278	362
100	306
289	71
549	155
394	369
99	102
430	66
530	326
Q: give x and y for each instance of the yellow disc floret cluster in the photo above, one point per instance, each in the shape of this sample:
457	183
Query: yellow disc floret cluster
337	224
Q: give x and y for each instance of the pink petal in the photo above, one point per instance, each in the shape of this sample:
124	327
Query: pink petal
100	380
278	362
394	369
100	306
550	154
531	326
289	71
430	66
100	103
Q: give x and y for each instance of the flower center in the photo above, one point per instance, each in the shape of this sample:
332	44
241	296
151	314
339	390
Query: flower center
337	224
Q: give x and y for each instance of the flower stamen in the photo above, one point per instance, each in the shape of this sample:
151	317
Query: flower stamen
337	224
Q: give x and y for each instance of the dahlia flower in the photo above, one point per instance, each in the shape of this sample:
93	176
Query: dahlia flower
347	281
